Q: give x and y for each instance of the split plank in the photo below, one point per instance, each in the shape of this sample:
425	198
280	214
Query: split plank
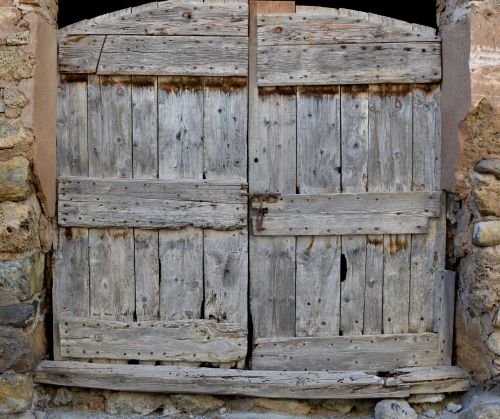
166	56
318	258
200	340
329	28
268	384
289	65
80	53
172	18
342	353
445	285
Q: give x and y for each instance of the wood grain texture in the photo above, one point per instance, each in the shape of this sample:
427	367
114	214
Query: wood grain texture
80	53
319	27
445	286
174	55
342	353
268	384
200	340
171	18
272	152
318	258
354	136
337	214
291	65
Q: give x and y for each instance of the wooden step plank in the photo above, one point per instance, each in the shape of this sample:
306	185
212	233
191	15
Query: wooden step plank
291	65
320	28
172	18
188	340
174	55
268	384
350	353
80	53
113	190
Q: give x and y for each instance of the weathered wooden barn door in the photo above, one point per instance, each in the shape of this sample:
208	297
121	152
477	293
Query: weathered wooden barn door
152	257
348	225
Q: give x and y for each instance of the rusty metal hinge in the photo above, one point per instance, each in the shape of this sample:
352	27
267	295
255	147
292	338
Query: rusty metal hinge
261	197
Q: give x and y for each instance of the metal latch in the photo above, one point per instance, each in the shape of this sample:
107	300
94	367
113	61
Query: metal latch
261	197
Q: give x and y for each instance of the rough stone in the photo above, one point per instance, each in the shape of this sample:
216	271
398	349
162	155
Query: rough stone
12	132
493	342
486	193
489	167
394	409
15	64
18	38
14	98
18	315
76	399
18	227
16	392
292	407
8	16
426	398
453	407
14	179
196	404
487	233
431	413
134	403
20	280
15	351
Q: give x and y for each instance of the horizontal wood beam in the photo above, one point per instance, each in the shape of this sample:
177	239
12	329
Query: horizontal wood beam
348	214
151	204
183	340
268	384
80	53
371	63
349	353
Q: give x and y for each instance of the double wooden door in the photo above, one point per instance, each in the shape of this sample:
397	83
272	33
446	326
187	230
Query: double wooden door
276	207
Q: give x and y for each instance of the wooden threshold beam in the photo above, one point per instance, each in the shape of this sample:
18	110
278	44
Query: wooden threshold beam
269	384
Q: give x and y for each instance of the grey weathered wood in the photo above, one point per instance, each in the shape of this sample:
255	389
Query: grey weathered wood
288	65
327	28
373	320
272	153
145	165
427	252
390	166
444	314
80	53
225	128
174	55
226	276
172	18
268	384
346	353
75	188
337	214
181	288
318	258
201	340
354	180
152	214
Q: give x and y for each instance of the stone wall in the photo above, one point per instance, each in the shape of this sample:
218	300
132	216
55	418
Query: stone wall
27	186
471	146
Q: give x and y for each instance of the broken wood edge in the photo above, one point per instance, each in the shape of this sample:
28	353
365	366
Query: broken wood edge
400	383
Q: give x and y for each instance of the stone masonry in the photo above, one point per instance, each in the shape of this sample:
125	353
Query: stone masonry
26	184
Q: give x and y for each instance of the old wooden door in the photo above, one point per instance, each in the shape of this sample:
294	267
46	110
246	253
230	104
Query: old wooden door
325	135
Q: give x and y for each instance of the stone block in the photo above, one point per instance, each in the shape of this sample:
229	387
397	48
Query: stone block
18	315
14	179
283	406
196	404
135	403
12	132
394	409
486	233
493	343
18	38
16	393
14	98
489	167
15	64
15	351
486	194
18	227
20	280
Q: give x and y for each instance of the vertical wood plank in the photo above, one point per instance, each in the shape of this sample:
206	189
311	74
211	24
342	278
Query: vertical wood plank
390	166
427	256
272	168
180	142
445	314
71	265
225	158
354	180
318	171
145	165
111	251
